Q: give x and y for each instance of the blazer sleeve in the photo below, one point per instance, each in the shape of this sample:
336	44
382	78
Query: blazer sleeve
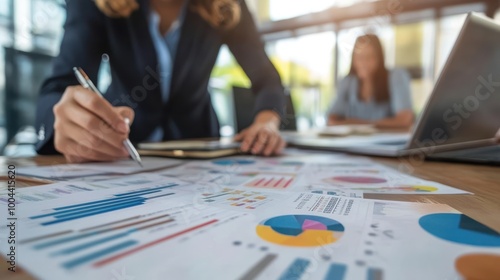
245	44
83	44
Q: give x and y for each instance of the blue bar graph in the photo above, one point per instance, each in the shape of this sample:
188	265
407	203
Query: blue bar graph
90	207
92	243
84	215
336	272
117	202
98	254
92	203
117	196
101	207
295	270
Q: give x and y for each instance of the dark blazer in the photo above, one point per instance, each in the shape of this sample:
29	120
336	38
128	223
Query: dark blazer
189	113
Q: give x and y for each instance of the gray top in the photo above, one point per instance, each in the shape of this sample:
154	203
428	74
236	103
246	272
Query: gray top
348	105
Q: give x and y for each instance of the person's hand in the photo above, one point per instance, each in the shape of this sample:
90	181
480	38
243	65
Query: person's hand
88	128
117	8
263	136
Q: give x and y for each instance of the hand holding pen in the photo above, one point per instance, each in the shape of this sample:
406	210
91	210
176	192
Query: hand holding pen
88	128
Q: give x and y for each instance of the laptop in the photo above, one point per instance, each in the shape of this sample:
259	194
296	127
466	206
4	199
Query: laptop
462	113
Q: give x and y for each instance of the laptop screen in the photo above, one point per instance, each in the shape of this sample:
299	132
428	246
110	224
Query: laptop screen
465	103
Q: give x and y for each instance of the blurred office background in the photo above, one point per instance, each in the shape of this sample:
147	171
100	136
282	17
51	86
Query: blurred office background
310	42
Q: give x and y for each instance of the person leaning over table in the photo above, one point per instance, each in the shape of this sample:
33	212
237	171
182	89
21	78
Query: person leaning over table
161	54
371	94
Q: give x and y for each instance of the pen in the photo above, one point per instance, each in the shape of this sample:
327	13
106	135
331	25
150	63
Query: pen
85	81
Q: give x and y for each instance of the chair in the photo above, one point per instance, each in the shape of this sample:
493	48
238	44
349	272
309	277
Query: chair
24	74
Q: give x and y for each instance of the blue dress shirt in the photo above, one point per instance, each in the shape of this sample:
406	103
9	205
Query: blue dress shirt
166	48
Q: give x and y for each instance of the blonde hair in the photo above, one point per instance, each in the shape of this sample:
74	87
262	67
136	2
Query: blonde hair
221	14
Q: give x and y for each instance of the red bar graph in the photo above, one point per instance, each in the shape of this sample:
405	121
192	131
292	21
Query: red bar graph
150	244
271	182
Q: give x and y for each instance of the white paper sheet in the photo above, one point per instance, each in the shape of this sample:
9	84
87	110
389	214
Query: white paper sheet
369	178
169	235
246	218
339	175
75	171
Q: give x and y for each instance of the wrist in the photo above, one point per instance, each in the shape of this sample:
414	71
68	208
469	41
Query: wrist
268	117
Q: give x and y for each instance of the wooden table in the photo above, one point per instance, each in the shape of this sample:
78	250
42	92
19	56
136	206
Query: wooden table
483	181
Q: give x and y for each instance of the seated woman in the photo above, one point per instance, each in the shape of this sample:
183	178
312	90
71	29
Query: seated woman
371	94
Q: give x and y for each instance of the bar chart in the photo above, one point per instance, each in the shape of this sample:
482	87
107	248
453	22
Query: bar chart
238	198
116	202
101	244
271	181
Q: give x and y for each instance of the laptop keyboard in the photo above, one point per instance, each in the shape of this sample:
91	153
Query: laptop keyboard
486	153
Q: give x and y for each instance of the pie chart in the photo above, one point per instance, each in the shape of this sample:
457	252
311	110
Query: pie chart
300	230
459	228
233	161
355	180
